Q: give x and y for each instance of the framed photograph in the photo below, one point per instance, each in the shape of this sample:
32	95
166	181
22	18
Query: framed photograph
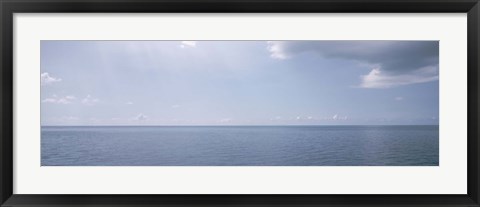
239	103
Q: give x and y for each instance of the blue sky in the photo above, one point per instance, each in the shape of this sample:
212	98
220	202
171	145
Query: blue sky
239	82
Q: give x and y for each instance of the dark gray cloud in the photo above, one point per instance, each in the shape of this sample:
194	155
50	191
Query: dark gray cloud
393	63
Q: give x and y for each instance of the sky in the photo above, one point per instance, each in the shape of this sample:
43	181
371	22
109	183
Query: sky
239	82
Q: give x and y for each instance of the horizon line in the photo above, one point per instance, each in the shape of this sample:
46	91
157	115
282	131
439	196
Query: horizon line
237	125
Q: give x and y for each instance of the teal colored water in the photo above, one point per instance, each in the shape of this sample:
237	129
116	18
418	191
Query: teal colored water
240	146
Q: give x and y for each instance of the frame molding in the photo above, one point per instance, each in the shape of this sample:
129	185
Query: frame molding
9	7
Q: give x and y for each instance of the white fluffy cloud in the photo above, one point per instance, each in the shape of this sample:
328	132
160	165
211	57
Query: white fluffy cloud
380	79
46	79
140	117
335	117
59	100
277	50
394	63
185	44
338	117
90	101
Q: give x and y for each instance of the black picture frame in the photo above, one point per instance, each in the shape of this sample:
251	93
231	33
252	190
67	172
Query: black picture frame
9	7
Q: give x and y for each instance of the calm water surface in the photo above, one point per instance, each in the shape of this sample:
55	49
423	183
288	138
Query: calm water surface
240	146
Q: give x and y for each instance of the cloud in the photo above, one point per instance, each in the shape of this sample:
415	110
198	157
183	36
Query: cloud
277	50
225	120
398	98
129	103
90	101
49	100
393	63
381	79
175	106
313	119
59	100
335	117
140	117
185	44
46	79
306	118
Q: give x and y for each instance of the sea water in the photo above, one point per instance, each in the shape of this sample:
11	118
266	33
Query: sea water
240	146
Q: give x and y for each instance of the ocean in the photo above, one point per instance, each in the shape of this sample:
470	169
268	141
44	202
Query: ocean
240	145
